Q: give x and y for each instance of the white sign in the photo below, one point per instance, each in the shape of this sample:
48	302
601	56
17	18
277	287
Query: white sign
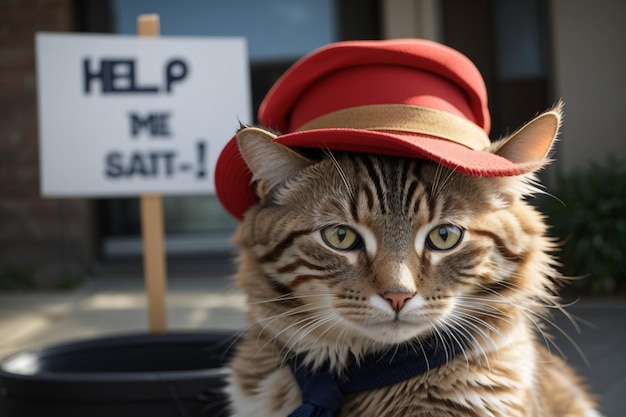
122	115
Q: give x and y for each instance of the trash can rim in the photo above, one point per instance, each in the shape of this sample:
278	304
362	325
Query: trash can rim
9	366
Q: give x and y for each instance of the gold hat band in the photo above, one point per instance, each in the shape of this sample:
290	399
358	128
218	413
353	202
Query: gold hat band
404	118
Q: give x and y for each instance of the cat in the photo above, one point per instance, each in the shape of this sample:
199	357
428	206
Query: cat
347	255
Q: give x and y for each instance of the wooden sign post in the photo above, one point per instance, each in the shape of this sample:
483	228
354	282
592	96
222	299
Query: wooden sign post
152	229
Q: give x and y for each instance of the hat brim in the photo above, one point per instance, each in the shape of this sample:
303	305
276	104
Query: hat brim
232	176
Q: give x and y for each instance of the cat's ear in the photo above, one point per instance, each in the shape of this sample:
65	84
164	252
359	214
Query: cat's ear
270	163
529	146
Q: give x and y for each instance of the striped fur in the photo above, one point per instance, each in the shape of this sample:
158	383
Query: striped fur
304	296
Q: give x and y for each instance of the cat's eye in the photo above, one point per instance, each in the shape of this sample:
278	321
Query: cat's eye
341	238
444	237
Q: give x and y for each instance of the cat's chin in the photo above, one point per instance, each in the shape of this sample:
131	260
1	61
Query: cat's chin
393	331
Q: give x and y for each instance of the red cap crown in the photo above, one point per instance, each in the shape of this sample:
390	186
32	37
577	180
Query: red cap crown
409	97
355	73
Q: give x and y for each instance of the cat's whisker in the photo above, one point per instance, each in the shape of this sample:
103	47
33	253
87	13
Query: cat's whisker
522	309
285	315
330	324
231	341
471	311
564	334
326	332
479	324
302	322
296	295
312	324
395	352
450	327
439	334
464	325
501	297
293	312
341	172
574	320
322	321
548	341
484	305
304	308
419	342
439	182
434	190
297	311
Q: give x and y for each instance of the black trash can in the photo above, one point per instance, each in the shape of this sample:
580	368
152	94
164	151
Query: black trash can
173	374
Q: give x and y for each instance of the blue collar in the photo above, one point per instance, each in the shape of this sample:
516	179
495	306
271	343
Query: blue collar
323	391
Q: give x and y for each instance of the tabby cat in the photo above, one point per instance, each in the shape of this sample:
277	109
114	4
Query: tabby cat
350	254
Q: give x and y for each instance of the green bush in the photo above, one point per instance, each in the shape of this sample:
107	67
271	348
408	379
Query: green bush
24	278
590	220
17	278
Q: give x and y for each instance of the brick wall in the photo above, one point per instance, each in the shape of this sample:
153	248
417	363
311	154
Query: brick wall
42	241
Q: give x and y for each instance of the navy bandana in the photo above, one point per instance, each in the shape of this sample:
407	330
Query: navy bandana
323	392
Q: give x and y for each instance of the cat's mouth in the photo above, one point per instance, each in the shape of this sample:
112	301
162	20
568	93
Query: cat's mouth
394	324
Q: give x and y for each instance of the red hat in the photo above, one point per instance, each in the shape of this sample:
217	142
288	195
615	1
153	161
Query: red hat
409	97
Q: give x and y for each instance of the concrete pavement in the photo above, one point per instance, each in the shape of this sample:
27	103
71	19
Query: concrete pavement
598	349
116	303
107	305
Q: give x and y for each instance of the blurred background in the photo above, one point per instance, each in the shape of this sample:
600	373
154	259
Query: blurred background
72	267
531	53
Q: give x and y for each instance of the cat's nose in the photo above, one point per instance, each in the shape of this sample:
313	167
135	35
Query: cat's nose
397	299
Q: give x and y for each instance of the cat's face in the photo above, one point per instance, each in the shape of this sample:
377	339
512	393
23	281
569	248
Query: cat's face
356	249
386	249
